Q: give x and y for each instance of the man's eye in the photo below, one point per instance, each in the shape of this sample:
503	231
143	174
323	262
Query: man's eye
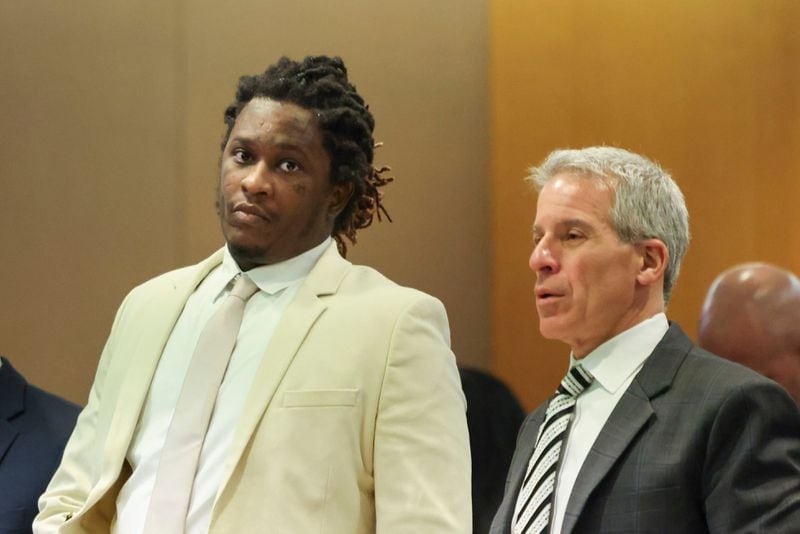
288	166
572	236
241	156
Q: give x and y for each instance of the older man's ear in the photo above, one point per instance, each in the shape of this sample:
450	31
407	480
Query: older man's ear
654	261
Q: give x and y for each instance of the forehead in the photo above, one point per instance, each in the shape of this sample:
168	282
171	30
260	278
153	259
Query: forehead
568	196
264	117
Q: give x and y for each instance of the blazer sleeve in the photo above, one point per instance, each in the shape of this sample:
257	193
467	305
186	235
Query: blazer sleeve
752	472
67	493
422	457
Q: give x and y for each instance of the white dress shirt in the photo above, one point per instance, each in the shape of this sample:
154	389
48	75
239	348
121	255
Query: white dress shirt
277	285
613	364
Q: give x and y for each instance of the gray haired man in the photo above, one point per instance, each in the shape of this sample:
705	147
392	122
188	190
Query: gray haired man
647	432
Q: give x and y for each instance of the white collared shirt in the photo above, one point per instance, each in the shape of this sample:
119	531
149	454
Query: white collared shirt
277	285
614	364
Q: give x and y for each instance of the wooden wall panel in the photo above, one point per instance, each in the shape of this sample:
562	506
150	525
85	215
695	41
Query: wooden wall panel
711	90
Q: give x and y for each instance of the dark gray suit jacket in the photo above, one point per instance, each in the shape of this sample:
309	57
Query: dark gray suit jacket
696	444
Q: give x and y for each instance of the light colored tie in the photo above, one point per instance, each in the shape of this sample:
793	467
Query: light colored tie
535	500
169	502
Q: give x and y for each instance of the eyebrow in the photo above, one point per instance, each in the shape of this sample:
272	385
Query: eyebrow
282	144
580	223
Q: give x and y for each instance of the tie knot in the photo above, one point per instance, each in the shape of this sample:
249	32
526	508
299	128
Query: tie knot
577	380
244	287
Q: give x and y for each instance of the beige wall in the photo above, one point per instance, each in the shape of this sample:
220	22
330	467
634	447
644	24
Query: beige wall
709	89
111	121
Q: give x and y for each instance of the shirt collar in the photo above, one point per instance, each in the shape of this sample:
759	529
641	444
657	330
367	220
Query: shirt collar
278	276
616	360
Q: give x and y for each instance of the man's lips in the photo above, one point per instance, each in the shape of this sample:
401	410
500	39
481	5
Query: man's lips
547	294
249	212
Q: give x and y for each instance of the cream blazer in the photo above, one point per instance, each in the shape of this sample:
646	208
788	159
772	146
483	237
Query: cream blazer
355	422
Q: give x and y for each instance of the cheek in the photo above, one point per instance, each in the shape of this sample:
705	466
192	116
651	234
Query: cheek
299	188
603	283
228	180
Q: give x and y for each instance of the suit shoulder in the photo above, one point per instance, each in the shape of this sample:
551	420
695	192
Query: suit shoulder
691	372
367	283
47	418
721	373
169	279
165	279
51	402
704	383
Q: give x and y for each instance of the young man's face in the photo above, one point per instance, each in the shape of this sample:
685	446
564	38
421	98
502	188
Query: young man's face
276	199
585	276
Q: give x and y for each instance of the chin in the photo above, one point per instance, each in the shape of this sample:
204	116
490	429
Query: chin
552	328
548	331
245	240
246	252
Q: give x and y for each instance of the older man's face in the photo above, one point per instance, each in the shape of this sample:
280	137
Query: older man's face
585	276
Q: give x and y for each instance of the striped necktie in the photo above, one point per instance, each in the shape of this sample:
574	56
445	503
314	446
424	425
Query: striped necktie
535	500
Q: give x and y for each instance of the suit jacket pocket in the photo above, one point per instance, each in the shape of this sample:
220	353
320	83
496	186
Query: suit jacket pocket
312	398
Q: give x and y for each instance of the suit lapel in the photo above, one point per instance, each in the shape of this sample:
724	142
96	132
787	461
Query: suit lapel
628	418
12	402
157	315
298	318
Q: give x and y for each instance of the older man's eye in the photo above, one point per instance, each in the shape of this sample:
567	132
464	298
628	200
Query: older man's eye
574	236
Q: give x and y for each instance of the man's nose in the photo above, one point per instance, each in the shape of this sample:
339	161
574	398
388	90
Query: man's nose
258	179
542	258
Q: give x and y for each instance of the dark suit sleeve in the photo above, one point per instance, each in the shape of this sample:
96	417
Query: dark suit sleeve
752	469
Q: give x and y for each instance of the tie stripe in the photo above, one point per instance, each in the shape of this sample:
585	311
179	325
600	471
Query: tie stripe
575	382
547	448
537	516
535	499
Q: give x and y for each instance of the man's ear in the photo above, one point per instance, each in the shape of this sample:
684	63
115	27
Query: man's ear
339	197
655	257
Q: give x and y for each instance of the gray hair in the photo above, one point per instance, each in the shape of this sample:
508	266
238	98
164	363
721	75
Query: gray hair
647	202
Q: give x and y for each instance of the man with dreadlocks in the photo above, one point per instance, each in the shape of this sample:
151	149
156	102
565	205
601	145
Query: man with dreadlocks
275	387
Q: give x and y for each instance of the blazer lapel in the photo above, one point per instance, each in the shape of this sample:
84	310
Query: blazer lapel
163	307
628	418
12	402
298	318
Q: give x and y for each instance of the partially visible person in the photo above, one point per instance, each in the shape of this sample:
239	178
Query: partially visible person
494	416
34	427
751	316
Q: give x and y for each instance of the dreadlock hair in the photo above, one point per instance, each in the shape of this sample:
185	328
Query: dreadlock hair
320	84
